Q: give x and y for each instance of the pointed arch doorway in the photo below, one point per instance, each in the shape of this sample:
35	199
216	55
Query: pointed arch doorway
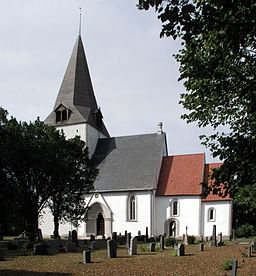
172	229
100	225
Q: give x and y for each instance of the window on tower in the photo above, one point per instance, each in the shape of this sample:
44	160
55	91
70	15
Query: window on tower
62	113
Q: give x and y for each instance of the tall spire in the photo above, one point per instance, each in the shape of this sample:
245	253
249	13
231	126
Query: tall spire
76	94
80	21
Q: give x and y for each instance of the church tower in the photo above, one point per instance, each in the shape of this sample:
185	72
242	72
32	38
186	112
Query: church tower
76	110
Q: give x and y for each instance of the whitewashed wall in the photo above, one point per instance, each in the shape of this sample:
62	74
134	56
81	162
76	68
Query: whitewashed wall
74	130
188	214
117	204
223	219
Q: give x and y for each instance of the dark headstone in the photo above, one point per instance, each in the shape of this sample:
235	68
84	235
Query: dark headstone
70	246
128	240
92	238
152	247
125	234
114	236
234	268
139	233
201	247
74	237
220	241
103	237
69	235
133	246
111	247
39	235
1	255
147	233
214	241
161	238
40	249
181	250
87	256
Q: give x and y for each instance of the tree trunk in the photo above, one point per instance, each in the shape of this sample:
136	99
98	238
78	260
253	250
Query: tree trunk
56	226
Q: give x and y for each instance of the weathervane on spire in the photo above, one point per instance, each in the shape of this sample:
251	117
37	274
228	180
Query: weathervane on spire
80	10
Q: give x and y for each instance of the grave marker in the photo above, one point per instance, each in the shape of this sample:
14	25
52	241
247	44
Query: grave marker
40	249
111	247
74	237
39	235
152	247
181	250
128	240
87	256
161	242
234	267
133	247
220	241
214	241
201	247
249	252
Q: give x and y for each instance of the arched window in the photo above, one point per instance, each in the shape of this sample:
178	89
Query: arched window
131	208
64	115
58	116
211	214
175	208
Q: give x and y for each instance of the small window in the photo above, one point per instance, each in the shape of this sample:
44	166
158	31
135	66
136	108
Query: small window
211	214
131	204
175	208
64	115
58	116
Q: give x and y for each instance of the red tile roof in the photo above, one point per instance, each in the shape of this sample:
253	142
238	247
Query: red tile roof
207	171
181	175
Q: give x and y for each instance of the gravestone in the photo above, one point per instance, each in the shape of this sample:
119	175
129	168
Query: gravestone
249	252
40	249
92	238
39	235
201	247
214	241
152	247
69	235
220	241
70	246
55	243
74	237
114	236
234	267
139	234
146	234
186	237
87	256
93	245
1	255
161	238
201	238
133	246
103	237
181	250
111	247
128	240
254	246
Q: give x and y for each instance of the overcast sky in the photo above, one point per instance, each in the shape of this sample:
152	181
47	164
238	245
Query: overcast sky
134	74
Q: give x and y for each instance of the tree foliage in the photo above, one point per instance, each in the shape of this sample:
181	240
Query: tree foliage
40	168
218	66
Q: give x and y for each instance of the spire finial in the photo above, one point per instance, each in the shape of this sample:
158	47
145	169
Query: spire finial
80	11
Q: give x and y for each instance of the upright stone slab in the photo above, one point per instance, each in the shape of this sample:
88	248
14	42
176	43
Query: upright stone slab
128	240
234	267
254	246
186	237
39	235
74	237
133	247
161	238
69	235
249	252
214	241
86	256
92	238
111	247
152	247
201	238
201	247
147	233
220	241
181	250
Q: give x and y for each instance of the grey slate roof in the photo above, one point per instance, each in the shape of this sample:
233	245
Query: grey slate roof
129	162
76	92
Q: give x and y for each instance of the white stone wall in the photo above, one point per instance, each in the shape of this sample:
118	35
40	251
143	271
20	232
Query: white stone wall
74	130
222	218
188	214
116	203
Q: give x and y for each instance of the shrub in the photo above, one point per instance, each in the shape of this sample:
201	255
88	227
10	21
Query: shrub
227	265
174	253
191	239
157	248
28	245
170	242
245	230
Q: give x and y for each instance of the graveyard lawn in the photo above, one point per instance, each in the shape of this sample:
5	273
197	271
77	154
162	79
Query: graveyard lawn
208	262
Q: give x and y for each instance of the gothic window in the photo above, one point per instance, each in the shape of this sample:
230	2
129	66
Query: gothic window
64	115
211	214
131	206
58	116
175	208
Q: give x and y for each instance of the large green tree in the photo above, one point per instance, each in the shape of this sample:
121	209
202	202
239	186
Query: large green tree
218	66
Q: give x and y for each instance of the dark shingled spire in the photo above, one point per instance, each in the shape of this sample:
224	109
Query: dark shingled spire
76	94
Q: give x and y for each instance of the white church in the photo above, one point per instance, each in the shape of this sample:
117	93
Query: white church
138	184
